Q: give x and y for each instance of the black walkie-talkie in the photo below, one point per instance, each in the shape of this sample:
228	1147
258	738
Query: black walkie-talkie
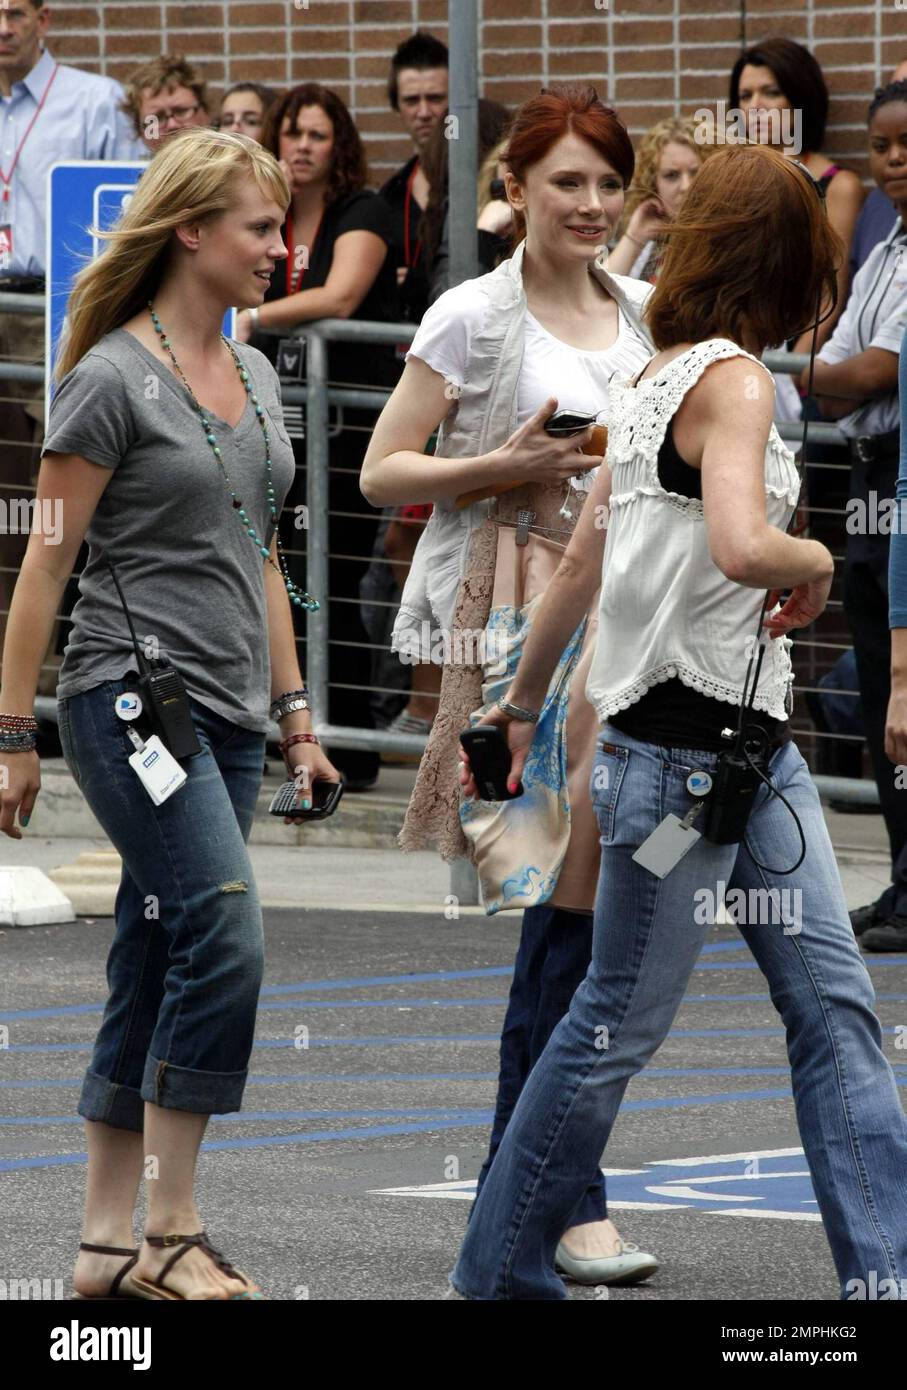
728	805
163	694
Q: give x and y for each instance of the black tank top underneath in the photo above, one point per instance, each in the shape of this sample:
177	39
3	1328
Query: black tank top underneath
671	714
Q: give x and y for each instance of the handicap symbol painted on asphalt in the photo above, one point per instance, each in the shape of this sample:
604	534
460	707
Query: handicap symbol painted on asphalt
772	1183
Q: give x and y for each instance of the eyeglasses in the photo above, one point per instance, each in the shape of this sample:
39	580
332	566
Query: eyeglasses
177	113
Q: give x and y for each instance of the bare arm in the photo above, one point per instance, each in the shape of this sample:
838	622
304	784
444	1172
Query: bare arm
72	486
861	378
357	260
896	719
728	419
284	659
396	470
304	761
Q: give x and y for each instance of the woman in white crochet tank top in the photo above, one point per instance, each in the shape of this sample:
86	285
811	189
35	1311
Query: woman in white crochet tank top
700	491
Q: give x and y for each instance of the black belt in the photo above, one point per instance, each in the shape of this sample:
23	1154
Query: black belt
870	448
22	284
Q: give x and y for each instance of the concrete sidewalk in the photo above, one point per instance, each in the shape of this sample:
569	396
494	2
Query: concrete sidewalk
385	879
352	860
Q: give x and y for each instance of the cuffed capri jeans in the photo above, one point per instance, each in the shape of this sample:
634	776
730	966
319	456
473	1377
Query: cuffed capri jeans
647	935
186	962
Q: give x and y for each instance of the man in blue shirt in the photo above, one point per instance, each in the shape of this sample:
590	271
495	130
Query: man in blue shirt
48	112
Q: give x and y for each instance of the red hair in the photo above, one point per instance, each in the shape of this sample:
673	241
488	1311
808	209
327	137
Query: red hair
751	248
558	111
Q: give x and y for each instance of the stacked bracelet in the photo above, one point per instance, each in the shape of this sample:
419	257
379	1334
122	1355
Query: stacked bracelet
289	703
17	733
17	743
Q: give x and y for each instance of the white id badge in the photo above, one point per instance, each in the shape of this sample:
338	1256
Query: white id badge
158	770
666	846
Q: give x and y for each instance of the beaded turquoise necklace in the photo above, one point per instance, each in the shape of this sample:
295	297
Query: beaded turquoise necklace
296	595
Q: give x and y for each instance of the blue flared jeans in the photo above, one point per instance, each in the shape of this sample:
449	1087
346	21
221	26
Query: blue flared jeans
647	935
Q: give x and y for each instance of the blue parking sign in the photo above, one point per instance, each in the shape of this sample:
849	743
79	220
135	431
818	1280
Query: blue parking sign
82	194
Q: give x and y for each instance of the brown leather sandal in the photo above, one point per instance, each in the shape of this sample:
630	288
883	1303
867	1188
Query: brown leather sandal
113	1291
156	1288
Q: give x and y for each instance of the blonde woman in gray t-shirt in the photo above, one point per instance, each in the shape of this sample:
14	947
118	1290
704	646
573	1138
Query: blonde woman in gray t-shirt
167	451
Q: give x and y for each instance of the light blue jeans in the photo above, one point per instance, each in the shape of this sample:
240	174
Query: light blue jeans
647	936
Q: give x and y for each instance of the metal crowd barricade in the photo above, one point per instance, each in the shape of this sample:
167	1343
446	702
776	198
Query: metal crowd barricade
316	396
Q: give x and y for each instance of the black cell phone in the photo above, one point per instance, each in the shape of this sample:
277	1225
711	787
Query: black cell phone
287	800
497	190
566	422
489	759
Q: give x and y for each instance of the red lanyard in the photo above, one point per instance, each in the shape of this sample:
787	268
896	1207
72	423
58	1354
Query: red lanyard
293	275
406	207
7	178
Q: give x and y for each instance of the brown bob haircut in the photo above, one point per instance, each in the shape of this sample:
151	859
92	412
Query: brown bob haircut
751	249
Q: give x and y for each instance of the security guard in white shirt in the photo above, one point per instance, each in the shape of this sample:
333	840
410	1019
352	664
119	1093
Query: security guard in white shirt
856	381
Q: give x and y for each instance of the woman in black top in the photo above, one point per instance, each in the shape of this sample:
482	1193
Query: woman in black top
341	265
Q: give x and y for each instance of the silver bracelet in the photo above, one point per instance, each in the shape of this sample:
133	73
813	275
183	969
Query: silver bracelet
253	315
301	693
524	716
289	707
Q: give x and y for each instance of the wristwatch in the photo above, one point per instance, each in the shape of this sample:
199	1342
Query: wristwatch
524	716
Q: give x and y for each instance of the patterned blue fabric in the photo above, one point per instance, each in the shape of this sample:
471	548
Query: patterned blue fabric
520	845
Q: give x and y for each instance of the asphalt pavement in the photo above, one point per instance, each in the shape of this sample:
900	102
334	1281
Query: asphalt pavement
348	1173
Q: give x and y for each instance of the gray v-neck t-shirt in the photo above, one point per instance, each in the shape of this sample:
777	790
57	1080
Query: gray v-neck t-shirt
191	574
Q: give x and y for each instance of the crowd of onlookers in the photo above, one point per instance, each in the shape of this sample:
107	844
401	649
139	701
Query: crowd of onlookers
383	254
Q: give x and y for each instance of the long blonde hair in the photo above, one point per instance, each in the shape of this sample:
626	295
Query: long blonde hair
194	175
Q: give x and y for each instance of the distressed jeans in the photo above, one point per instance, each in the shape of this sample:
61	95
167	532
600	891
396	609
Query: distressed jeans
185	965
647	935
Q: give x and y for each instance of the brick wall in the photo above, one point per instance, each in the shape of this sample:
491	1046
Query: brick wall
649	58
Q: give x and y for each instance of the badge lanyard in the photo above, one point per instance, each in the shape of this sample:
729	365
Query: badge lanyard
294	275
410	262
7	178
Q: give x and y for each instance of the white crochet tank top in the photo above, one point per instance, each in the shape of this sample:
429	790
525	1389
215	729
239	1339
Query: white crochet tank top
666	609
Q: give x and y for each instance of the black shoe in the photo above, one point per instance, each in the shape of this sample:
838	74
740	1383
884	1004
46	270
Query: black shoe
862	918
889	935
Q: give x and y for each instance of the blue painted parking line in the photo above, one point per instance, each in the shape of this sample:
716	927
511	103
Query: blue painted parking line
303	987
479	1118
294	1077
471	1114
267	1044
416	978
422	1039
403	1004
310	1078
